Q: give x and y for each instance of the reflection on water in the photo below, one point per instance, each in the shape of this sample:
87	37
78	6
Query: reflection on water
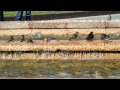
95	69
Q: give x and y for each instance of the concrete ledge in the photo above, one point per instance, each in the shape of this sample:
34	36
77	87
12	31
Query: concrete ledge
64	45
57	32
59	24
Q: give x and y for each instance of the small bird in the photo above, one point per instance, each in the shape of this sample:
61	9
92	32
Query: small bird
109	17
23	38
74	36
11	39
47	39
30	40
90	36
104	37
38	35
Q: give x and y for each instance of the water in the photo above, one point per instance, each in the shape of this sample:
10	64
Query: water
52	69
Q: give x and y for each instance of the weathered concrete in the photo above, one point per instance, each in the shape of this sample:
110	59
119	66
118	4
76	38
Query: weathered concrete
59	24
63	45
58	27
55	32
56	49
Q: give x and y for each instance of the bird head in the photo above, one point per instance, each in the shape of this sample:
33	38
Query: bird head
22	35
91	32
77	32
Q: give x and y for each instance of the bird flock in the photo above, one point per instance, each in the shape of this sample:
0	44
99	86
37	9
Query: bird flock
22	39
89	37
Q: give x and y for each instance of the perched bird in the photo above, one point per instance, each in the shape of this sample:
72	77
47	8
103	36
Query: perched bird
74	36
58	50
90	36
104	37
30	40
23	38
47	39
11	39
38	36
109	17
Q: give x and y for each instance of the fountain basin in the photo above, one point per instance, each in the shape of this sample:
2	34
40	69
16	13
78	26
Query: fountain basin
60	48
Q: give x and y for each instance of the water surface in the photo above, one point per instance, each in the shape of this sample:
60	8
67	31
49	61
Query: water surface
52	69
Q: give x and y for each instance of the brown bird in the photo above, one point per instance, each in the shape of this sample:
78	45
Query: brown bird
90	36
104	37
30	40
74	36
23	38
11	39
